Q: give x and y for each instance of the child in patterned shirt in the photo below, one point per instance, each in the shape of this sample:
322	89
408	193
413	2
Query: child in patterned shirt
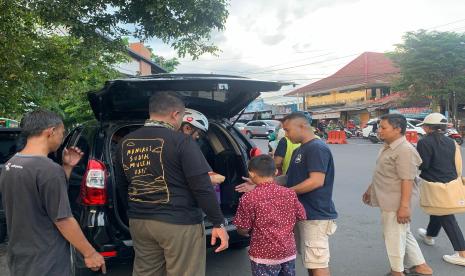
269	213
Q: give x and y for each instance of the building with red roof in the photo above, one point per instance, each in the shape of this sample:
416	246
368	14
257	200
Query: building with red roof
358	91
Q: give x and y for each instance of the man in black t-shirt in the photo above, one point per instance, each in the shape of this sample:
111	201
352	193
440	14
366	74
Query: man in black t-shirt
35	196
164	176
311	175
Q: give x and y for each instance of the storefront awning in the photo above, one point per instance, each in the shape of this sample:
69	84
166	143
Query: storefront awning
329	115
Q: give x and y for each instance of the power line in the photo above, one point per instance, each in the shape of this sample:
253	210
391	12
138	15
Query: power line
250	57
346	76
303	65
294	61
279	69
446	24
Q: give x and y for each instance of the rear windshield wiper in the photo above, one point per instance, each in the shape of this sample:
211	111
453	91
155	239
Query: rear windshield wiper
238	117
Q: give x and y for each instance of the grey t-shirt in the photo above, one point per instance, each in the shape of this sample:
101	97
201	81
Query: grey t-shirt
34	193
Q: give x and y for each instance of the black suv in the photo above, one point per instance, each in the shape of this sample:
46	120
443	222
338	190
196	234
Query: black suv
9	144
121	107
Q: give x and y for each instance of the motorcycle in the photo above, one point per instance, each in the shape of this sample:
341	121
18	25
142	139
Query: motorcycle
356	132
373	137
321	133
454	134
349	133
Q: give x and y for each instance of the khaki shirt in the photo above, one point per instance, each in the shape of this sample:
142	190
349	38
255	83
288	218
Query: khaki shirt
396	162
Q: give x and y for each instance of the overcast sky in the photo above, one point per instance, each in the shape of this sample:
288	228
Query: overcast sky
305	40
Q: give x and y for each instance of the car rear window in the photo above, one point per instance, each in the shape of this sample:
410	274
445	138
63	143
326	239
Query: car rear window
8	145
273	123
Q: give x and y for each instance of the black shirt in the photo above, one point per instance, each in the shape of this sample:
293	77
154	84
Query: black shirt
281	148
35	196
438	154
314	156
164	176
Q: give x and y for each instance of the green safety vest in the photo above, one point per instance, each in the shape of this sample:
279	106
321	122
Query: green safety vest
290	147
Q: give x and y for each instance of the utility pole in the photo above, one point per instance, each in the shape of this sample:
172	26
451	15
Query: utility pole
454	109
304	105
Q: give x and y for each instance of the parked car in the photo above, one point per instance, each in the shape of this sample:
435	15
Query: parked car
261	128
121	107
410	126
414	123
454	134
8	147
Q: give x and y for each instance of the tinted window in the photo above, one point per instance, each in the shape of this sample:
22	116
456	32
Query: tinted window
83	143
257	124
8	145
273	123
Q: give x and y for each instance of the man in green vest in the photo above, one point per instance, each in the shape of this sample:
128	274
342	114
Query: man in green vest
284	150
283	154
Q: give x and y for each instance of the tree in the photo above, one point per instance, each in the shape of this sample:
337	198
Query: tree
47	68
184	24
432	64
52	52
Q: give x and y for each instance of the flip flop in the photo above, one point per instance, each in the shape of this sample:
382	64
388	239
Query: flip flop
414	273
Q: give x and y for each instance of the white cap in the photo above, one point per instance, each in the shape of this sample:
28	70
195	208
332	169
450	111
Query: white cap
434	119
196	119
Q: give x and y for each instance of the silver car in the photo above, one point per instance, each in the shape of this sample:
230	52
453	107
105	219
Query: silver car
261	128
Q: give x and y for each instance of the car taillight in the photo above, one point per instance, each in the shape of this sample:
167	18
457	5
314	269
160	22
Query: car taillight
108	254
255	152
93	188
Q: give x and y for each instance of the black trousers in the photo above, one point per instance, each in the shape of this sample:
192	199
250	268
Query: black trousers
450	225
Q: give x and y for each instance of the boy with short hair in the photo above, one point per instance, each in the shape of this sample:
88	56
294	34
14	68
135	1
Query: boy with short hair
269	213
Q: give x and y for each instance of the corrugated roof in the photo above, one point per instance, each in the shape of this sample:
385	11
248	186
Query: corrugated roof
368	69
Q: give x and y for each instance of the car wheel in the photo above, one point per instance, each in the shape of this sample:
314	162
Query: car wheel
374	139
2	230
239	245
78	267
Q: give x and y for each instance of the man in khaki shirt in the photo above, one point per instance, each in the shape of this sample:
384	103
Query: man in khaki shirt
391	191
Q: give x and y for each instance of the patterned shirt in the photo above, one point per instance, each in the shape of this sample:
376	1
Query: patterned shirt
270	212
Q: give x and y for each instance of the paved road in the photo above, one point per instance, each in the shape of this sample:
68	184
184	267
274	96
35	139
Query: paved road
357	248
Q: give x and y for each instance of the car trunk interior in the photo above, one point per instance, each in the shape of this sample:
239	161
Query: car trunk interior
224	157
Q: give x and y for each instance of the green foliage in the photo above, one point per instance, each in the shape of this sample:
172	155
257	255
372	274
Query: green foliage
52	52
168	64
41	68
184	24
431	64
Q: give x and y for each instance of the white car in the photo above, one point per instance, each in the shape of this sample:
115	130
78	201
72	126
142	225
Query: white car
414	123
411	125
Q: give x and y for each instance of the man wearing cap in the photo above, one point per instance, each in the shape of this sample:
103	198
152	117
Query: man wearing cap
438	154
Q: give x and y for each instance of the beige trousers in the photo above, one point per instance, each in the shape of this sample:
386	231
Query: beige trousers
400	243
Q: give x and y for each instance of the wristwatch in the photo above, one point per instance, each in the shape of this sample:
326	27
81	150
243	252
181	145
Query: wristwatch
221	225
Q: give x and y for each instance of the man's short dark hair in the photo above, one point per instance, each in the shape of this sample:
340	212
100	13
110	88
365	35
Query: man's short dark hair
263	165
163	103
35	122
437	128
396	121
298	115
